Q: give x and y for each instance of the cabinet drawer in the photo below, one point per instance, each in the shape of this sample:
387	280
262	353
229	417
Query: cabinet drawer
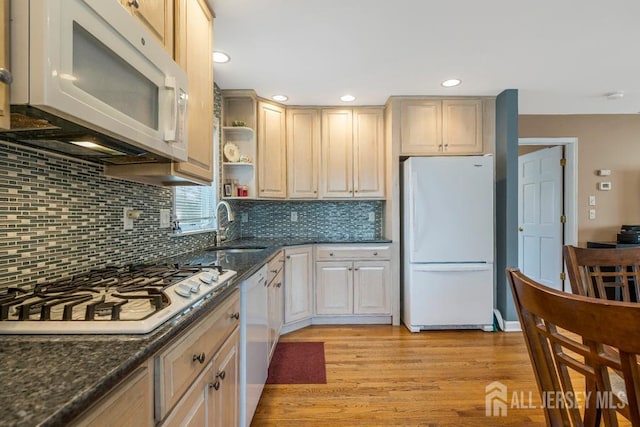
186	357
275	266
328	253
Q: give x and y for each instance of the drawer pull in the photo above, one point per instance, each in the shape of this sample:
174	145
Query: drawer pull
375	254
357	268
288	256
350	268
279	284
199	357
215	385
274	271
235	315
221	375
330	253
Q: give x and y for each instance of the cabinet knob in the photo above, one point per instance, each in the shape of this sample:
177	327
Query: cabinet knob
330	253
375	254
134	3
215	385
6	76
350	268
520	229
199	357
315	191
288	256
279	284
221	375
357	268
274	271
235	315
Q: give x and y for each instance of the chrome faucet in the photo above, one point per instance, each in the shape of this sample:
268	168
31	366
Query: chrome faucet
221	233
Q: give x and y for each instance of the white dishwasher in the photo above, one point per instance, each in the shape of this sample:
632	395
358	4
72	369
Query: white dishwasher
254	343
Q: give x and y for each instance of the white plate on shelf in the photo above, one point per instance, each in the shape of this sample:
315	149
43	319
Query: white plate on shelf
231	152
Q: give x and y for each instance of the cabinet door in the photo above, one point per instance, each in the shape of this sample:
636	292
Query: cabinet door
130	404
157	17
5	117
276	314
368	153
193	54
462	126
193	410
372	287
226	405
271	151
334	287
298	269
420	128
303	153
337	154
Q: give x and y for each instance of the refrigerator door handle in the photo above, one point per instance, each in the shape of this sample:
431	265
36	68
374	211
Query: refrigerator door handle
453	267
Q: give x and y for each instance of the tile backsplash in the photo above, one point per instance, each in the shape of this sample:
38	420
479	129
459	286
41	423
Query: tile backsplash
60	217
333	220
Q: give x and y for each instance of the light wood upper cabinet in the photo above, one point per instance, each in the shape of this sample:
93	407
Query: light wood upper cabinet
156	16
337	154
272	161
462	126
352	153
303	153
436	126
368	153
5	116
421	128
193	54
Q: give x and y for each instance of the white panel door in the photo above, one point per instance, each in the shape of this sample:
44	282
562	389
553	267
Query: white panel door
298	270
334	287
372	287
450	209
539	212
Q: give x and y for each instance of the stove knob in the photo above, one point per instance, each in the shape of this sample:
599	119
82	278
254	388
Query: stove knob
206	277
194	286
183	290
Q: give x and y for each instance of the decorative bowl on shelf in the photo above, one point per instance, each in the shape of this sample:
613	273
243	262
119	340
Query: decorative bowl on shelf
238	123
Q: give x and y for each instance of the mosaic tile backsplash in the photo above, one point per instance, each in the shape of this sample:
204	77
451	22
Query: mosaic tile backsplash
60	217
332	220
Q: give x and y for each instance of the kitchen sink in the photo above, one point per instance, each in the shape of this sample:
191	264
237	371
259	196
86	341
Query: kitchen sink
238	249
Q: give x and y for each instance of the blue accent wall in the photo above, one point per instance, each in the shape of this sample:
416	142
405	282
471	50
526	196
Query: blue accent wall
506	197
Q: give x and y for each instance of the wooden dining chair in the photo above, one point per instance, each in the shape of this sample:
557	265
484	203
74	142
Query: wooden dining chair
569	336
593	271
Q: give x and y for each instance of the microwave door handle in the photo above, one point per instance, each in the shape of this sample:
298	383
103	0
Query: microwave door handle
170	83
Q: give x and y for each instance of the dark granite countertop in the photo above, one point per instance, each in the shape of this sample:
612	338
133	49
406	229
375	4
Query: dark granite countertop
50	379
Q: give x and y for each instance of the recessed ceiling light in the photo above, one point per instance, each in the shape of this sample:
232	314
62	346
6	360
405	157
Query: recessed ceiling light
279	98
220	57
348	98
451	83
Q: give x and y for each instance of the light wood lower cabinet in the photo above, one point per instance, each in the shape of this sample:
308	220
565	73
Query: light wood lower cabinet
213	398
185	366
129	404
298	267
353	280
275	299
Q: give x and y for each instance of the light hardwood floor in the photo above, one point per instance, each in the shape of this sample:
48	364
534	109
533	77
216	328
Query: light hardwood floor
386	376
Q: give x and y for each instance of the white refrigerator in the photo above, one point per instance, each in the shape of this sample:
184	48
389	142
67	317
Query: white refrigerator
448	242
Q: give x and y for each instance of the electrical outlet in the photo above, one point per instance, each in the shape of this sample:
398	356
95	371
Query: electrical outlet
294	216
592	200
244	217
165	218
372	217
592	214
128	220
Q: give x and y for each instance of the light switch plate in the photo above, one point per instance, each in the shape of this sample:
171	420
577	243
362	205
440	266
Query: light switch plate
592	214
592	200
128	222
372	216
244	217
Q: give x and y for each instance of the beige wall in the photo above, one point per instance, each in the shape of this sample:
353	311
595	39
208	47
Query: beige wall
604	142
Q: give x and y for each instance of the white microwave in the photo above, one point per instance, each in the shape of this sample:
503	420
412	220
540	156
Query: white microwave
91	65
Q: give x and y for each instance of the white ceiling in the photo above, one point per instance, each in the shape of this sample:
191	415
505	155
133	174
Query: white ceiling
563	56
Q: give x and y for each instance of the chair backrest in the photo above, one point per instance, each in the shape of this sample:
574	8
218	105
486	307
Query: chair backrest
592	271
569	336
